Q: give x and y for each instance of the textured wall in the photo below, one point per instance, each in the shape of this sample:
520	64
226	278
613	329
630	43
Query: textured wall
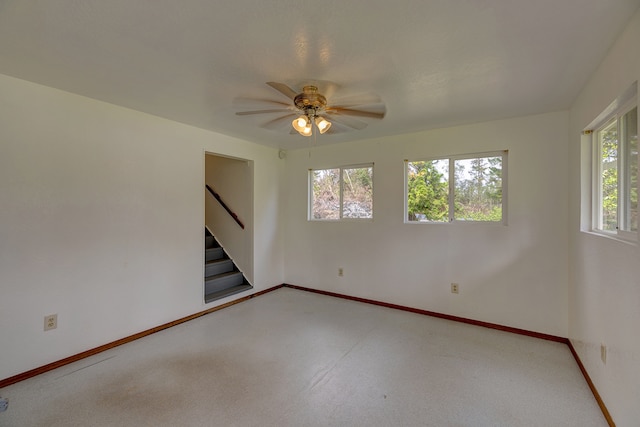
101	221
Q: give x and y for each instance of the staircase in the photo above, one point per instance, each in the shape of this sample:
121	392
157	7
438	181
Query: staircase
221	276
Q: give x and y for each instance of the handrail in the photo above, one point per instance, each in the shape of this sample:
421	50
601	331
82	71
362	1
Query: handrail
224	205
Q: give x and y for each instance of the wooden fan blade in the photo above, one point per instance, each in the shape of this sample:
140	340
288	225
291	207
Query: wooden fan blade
345	121
358	113
280	122
336	129
272	110
247	103
283	89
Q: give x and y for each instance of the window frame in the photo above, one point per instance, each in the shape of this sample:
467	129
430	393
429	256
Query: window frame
451	187
340	192
614	113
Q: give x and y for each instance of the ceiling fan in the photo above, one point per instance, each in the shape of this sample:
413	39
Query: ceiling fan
310	108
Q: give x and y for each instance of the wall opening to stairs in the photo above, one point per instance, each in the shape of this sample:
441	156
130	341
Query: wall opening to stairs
232	179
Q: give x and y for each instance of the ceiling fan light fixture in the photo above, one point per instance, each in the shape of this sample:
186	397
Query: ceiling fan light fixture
307	131
300	123
322	124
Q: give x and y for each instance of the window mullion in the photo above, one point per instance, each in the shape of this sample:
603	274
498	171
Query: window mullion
341	192
452	203
622	205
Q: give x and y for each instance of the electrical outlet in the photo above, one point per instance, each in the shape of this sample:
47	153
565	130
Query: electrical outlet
603	353
455	288
50	322
340	272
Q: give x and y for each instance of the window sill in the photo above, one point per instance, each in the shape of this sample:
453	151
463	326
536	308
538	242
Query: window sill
629	242
475	223
333	221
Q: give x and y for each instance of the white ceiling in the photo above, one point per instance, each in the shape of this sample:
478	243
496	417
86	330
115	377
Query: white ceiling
435	63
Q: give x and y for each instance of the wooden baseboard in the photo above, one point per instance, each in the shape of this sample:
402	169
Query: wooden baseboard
586	376
51	366
439	315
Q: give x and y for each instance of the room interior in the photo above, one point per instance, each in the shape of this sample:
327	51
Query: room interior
109	112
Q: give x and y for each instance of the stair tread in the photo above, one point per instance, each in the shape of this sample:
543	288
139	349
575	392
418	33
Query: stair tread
218	261
227	292
221	275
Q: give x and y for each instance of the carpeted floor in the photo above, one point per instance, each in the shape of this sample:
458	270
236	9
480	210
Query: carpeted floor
294	358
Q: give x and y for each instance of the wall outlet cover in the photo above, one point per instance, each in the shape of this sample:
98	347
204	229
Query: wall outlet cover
50	322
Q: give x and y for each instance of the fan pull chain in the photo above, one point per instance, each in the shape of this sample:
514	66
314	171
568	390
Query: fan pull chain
315	135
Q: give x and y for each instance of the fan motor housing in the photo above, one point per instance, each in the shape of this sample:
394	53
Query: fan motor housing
310	100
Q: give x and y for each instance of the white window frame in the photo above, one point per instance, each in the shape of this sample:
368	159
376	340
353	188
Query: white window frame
451	182
341	191
614	112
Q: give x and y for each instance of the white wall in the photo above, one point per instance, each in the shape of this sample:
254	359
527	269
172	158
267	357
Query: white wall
101	221
514	275
604	291
232	179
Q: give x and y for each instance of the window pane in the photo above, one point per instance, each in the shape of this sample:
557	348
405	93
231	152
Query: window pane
478	189
629	129
608	143
428	191
326	194
357	193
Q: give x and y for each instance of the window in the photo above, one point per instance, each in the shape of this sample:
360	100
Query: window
341	193
615	178
469	188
